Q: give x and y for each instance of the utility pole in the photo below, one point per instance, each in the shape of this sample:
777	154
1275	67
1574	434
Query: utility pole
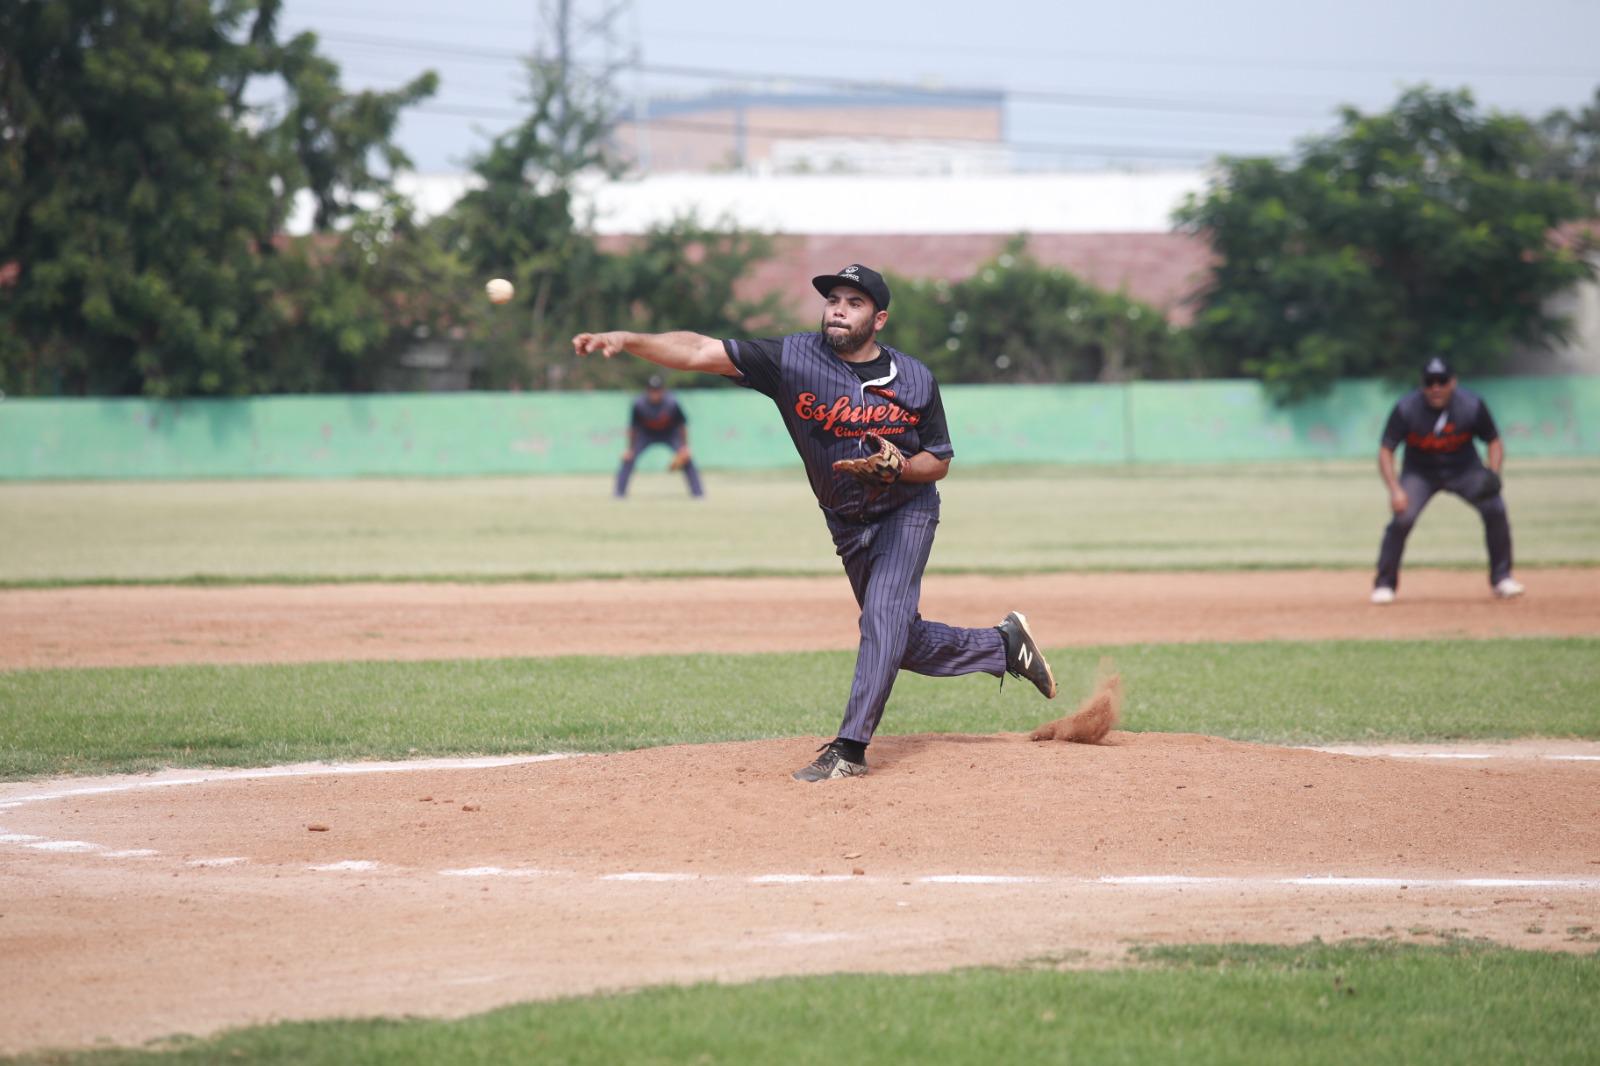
585	43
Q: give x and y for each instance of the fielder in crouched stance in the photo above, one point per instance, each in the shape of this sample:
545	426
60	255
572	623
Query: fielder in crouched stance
1437	423
870	428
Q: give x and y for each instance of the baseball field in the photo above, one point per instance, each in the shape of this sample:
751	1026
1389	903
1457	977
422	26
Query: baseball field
489	770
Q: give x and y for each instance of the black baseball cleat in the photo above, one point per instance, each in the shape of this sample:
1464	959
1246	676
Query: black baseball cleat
1023	657
831	764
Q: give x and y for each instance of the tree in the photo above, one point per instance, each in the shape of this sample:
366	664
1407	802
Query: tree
347	306
333	137
522	223
1413	232
1573	153
525	222
685	274
141	192
1015	320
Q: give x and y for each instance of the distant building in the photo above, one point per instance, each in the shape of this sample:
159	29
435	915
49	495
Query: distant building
1113	229
903	131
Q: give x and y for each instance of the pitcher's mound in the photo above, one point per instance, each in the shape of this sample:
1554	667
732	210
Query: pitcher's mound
1134	803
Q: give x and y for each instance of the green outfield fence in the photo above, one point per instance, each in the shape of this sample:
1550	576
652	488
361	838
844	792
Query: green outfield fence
475	433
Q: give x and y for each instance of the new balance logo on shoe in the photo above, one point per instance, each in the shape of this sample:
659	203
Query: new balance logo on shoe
1023	657
831	764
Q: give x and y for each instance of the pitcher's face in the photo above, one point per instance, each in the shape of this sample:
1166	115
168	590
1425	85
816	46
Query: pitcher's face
850	319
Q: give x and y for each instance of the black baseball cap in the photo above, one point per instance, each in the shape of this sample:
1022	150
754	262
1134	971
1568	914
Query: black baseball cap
1437	367
655	381
856	276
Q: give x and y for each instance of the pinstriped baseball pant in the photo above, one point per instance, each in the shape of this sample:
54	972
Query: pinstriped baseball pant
884	560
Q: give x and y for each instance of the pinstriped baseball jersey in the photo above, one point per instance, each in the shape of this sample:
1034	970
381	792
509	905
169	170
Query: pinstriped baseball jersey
829	404
883	535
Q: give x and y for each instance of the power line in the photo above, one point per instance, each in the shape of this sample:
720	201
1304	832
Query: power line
1158	59
1130	58
1050	96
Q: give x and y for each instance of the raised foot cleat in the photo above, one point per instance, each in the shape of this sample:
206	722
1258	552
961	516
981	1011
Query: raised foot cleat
1507	587
1383	594
1023	657
830	765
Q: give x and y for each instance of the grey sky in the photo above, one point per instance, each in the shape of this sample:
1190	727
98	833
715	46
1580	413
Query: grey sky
1162	82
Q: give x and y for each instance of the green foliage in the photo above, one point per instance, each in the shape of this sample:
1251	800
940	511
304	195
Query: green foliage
1573	149
335	137
523	223
1017	321
684	274
1402	234
347	306
142	192
142	197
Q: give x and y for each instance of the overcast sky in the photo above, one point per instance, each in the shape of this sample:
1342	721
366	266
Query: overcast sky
1146	82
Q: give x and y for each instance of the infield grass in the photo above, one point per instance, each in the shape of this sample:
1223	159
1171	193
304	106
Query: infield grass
1028	520
1370	1002
136	719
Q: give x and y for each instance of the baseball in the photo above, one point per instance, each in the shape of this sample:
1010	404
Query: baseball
500	290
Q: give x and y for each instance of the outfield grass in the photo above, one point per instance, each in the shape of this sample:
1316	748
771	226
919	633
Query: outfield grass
1034	519
135	719
1368	1002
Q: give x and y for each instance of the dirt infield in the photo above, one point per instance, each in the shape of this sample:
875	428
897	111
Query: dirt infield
157	625
133	908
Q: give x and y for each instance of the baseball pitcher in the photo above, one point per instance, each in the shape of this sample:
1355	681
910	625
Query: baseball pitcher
870	429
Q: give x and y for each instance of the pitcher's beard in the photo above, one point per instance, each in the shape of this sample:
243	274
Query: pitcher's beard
848	342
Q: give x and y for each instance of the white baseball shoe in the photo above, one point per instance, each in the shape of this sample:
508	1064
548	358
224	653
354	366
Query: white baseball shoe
1383	595
1509	587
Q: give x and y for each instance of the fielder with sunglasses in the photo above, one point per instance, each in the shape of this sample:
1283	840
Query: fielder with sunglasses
1437	424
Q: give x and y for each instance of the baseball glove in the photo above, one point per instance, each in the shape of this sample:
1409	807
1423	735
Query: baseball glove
1478	485
882	467
679	461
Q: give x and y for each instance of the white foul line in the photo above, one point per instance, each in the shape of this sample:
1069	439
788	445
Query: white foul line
347	864
1394	753
64	845
299	770
208	777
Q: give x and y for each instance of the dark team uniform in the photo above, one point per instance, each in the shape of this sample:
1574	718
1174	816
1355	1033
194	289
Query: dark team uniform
656	422
883	534
1439	454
